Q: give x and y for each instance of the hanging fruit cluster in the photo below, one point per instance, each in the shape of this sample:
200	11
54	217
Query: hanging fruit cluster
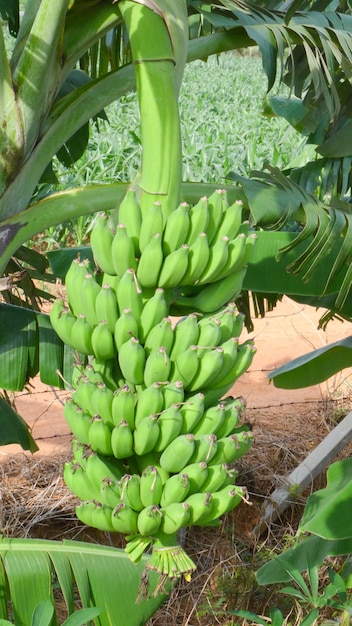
154	441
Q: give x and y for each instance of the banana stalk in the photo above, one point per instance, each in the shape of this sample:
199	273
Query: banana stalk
159	44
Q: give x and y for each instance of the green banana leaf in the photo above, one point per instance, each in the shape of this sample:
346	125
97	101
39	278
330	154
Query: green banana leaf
306	554
328	512
13	428
29	346
314	367
103	577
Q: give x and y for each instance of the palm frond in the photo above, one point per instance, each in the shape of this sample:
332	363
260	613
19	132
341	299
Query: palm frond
323	239
311	45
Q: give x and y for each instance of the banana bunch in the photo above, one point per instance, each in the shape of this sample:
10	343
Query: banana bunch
155	433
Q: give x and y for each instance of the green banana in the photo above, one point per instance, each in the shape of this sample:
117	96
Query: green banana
92	375
123	406
245	354
175	516
230	222
81	336
151	486
74	286
176	229
173	393
238	324
78	421
170	424
106	306
185	366
198	220
174	268
110	492
160	335
227	325
225	500
77	481
126	326
100	436
84	512
250	243
175	489
200	506
109	371
130	485
146	435
129	213
205	448
101	239
217	476
236	256
216	205
218	256
150	262
212	297
153	312
192	411
209	335
230	348
102	398
149	520
150	401
197	474
70	277
234	408
212	420
209	367
83	395
103	342
79	451
178	453
157	367
152	223
99	467
122	440
231	448
122	251
198	257
124	519
132	361
129	294
101	517
62	321
90	290
186	333
113	281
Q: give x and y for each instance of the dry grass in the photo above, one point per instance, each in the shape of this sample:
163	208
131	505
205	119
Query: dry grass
36	503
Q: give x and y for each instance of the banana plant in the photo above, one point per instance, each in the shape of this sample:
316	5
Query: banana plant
49	44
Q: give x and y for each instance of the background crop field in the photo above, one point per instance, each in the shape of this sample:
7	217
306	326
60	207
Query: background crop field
222	127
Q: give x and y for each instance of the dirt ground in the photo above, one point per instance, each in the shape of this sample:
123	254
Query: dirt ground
287	425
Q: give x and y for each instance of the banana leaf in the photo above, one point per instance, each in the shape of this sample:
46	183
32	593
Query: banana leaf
328	512
308	553
29	346
13	428
101	576
314	367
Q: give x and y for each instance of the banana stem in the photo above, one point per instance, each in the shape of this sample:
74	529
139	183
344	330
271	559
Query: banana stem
159	46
